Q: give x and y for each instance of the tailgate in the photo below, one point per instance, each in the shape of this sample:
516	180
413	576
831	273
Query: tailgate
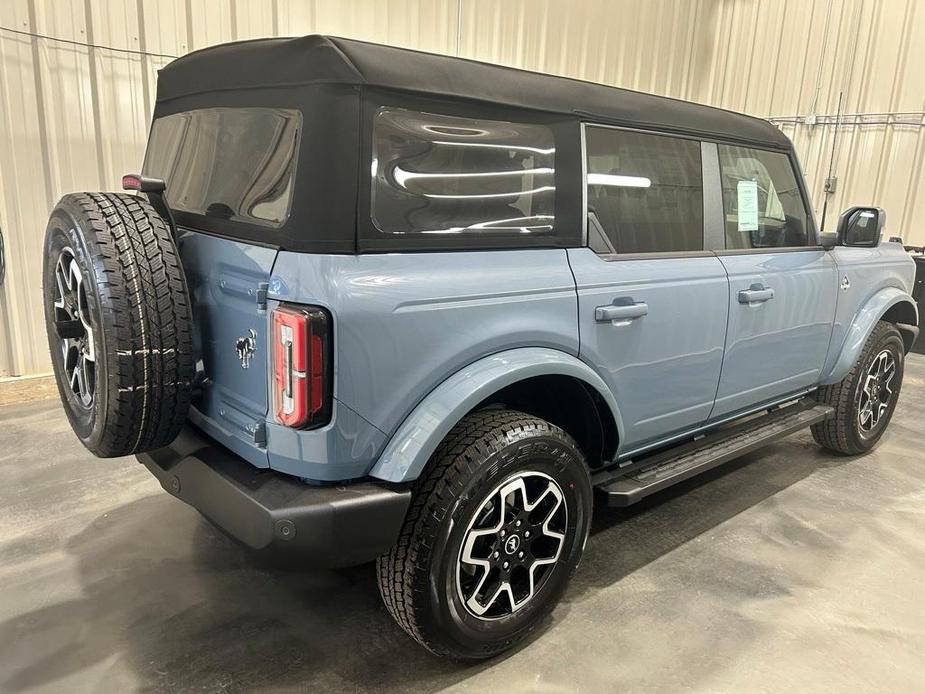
227	281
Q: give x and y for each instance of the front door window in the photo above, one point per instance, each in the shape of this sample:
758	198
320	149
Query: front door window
762	204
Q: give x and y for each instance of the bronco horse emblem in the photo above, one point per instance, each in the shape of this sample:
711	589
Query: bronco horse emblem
245	347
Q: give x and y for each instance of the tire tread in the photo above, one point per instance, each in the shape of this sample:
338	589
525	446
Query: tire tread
146	318
835	433
403	572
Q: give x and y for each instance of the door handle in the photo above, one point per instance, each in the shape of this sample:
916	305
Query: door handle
755	294
626	311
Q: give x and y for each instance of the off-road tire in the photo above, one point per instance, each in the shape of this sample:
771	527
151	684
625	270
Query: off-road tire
417	577
139	321
843	433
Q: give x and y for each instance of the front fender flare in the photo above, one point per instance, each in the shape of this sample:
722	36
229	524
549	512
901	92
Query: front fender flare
418	436
862	325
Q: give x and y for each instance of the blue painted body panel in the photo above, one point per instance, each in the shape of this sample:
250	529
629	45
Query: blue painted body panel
404	324
420	339
223	276
421	432
664	367
878	279
341	450
777	346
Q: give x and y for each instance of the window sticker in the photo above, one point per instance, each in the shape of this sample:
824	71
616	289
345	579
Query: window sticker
748	205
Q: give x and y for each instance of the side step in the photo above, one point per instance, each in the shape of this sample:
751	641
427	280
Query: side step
646	476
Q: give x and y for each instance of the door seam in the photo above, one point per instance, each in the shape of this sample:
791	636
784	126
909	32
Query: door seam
571	270
722	363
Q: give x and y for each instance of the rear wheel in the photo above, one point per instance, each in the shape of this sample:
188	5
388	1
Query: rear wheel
496	527
117	315
865	399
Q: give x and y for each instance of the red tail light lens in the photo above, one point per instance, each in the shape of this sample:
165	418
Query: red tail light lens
301	366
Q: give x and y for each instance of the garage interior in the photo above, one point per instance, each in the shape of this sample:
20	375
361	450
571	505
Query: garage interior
791	567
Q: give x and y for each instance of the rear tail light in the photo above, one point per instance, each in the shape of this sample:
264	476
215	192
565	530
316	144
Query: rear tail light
301	366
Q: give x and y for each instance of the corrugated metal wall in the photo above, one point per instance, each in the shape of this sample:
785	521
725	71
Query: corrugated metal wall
75	107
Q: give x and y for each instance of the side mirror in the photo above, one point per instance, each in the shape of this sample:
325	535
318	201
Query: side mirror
861	226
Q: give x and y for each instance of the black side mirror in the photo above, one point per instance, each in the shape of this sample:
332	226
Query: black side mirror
861	226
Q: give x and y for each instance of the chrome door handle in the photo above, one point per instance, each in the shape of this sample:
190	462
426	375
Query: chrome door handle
755	294
615	312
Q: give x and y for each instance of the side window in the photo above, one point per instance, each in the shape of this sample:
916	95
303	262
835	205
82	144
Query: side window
227	163
761	199
645	192
438	174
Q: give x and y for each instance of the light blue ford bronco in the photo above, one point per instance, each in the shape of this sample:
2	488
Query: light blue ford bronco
369	303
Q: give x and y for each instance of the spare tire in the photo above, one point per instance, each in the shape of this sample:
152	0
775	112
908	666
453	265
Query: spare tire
118	318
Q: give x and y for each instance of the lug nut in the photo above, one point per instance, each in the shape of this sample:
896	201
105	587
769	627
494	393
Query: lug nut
517	523
505	565
497	554
503	532
526	533
520	555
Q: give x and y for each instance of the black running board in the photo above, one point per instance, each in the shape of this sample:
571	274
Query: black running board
633	482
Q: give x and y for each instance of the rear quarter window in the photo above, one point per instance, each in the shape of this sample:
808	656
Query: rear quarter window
443	175
232	164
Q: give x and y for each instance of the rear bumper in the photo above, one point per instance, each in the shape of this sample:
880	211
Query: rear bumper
330	526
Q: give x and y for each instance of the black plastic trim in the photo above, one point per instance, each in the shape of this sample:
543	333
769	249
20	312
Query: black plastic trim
654	255
633	482
760	251
910	334
327	525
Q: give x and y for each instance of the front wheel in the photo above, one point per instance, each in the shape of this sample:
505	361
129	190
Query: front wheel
496	527
865	399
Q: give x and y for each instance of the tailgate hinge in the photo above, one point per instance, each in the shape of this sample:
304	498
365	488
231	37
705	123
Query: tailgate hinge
262	288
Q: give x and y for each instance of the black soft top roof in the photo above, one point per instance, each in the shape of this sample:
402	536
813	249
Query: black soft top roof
313	60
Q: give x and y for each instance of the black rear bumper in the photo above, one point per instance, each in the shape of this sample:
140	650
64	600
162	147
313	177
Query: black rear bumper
330	526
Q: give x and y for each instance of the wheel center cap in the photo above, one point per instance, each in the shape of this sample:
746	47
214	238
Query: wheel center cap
512	544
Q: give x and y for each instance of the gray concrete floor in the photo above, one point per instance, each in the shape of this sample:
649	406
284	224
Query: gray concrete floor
789	569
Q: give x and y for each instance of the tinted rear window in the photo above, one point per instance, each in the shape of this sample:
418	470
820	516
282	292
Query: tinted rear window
439	174
645	192
227	163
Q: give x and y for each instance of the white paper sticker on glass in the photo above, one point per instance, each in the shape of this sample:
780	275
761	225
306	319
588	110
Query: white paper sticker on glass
748	205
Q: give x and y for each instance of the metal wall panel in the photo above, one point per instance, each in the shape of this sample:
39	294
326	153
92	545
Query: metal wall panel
75	108
791	61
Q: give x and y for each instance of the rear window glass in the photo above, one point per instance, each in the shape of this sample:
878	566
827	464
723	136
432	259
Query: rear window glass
227	163
438	174
645	192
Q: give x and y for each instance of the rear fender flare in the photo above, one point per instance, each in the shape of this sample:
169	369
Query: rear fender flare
861	327
418	436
